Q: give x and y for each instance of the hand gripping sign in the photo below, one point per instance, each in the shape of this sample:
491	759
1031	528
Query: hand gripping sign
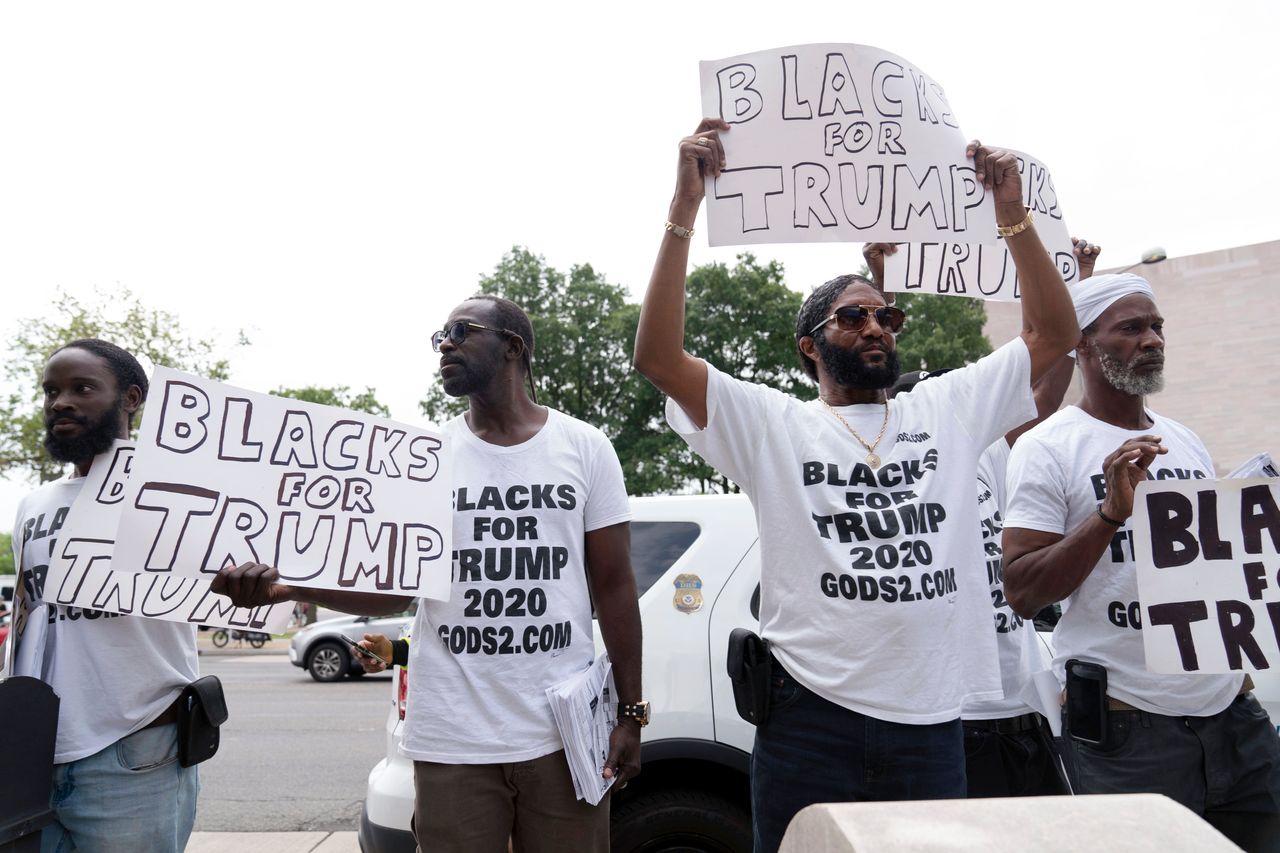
984	269
838	142
334	499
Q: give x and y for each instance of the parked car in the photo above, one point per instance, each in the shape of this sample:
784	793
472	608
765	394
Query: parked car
321	651
697	566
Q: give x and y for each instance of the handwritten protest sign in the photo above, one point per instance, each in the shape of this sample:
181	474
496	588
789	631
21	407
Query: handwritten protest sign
837	142
984	270
332	498
1208	557
82	573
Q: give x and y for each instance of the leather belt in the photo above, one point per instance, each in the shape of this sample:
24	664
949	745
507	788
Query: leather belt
1006	725
1114	704
167	716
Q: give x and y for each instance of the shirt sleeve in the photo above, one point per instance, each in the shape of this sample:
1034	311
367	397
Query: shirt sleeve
738	419
399	652
607	502
991	396
1037	487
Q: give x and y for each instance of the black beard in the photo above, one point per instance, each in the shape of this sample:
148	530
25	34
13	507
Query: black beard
95	437
848	369
472	377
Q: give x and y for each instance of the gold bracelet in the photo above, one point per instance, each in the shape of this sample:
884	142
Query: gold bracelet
1010	230
679	230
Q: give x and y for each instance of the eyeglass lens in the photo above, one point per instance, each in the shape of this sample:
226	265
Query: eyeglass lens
456	333
853	317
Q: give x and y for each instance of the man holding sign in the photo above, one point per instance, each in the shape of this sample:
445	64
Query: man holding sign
873	593
117	782
540	532
1202	740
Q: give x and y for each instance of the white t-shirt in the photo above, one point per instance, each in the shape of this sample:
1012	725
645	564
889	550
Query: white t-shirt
873	587
1021	653
1056	482
112	673
519	616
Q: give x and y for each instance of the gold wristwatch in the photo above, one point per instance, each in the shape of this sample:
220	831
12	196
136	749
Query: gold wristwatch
638	711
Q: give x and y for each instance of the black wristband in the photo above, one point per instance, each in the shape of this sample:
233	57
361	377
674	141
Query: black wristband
1108	519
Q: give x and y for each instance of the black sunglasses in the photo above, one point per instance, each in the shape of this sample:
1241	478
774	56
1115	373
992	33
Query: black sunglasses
456	332
851	318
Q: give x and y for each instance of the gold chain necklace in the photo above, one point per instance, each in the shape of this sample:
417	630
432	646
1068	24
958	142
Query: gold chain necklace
872	459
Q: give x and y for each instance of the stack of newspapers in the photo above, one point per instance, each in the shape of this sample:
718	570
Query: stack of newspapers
585	711
1259	466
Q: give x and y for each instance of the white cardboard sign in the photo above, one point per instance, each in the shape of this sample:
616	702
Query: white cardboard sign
1208	553
332	498
838	142
984	270
83	574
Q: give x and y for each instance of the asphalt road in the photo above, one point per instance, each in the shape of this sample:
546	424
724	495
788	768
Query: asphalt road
295	754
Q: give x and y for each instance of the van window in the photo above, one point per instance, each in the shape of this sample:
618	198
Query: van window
655	547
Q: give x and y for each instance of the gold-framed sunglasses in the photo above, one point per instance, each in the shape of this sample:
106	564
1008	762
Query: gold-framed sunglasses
851	318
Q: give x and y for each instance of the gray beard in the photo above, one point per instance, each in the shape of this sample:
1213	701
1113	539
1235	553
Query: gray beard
1124	378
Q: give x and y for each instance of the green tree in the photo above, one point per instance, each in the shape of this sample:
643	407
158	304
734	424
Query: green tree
741	318
581	364
117	316
6	554
337	395
941	331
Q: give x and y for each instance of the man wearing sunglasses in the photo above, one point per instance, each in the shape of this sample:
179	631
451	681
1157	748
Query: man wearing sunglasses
1200	739
874	597
541	532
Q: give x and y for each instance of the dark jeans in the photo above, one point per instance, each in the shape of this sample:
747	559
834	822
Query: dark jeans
1011	758
813	751
1225	767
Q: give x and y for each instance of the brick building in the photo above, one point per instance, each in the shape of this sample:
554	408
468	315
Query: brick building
1222	356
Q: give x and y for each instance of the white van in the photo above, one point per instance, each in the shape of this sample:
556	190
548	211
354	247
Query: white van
697	566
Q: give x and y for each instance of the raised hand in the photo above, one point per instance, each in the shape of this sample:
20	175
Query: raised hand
997	170
701	155
874	254
1086	256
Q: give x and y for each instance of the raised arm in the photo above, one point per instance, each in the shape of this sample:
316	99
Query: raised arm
1041	568
1048	318
1052	386
659	353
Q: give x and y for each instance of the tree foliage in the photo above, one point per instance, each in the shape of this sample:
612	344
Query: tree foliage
740	318
338	395
941	331
118	316
6	554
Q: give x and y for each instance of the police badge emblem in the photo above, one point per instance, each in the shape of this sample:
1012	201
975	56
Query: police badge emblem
688	593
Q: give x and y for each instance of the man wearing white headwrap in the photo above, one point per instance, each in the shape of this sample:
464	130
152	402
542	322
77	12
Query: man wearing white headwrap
1202	740
1094	295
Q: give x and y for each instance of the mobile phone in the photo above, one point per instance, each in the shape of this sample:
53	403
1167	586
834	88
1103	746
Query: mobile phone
1087	701
362	651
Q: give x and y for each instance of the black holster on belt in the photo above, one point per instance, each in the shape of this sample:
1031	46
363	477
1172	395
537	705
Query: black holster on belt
750	668
201	709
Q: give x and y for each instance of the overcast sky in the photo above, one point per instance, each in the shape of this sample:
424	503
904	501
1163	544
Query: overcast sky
332	177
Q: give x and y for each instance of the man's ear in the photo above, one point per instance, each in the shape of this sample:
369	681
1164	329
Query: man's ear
1084	346
809	349
133	400
515	347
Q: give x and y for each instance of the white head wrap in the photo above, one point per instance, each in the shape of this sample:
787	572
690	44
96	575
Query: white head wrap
1094	295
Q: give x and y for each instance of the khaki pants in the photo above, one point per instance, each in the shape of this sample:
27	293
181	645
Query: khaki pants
475	808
